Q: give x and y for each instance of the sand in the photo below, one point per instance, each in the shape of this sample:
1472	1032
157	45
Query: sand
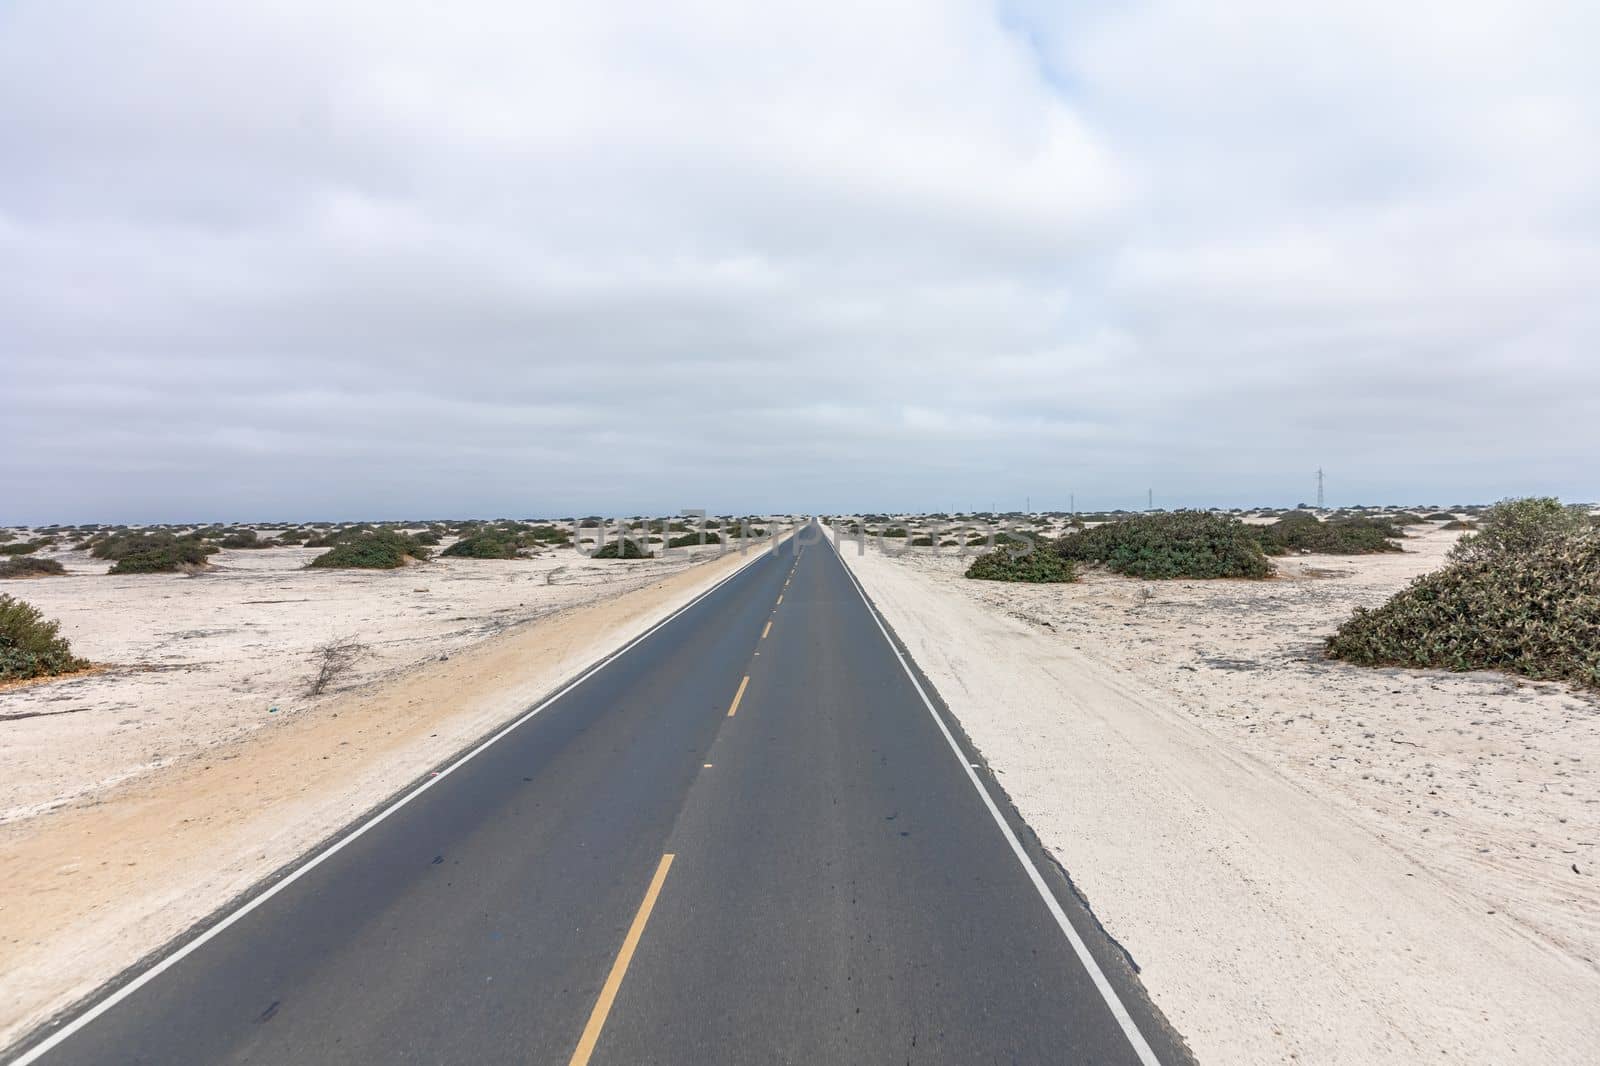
145	797
1311	861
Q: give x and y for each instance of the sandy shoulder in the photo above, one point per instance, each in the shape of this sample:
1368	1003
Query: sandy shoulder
1311	862
119	867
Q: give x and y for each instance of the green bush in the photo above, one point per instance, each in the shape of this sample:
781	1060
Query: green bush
24	566
1457	523
1440	516
1302	532
159	553
30	646
380	550
492	544
21	547
921	542
114	547
690	540
1407	518
1533	611
247	538
1039	565
1517	526
623	548
1173	544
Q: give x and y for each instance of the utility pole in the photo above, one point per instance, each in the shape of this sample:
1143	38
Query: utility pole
1319	488
1150	500
1027	504
1072	503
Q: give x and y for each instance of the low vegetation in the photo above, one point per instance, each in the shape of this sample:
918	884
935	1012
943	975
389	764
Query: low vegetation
623	548
1515	527
1172	544
1523	596
690	540
372	550
1299	531
31	645
26	566
1039	565
491	544
154	553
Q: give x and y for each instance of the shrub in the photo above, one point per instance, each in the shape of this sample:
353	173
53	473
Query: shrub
895	531
1020	563
1298	531
117	546
921	542
21	547
1407	518
690	540
1534	612
30	646
1171	544
1518	526
488	545
1440	516
623	548
159	553
382	550
26	567
247	538
1457	523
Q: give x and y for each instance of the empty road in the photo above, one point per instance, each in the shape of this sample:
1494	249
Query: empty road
746	839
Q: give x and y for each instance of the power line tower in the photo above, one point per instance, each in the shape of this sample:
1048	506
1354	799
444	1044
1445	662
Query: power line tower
1319	488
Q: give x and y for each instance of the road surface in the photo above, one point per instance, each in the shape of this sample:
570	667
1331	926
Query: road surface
748	838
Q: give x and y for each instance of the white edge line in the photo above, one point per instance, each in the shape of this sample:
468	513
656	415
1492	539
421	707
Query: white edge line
67	1030
1141	1047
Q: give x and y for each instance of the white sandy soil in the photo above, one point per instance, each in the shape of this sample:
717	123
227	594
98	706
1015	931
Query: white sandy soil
1312	862
193	662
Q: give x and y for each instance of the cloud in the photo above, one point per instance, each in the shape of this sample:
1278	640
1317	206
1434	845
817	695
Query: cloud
361	260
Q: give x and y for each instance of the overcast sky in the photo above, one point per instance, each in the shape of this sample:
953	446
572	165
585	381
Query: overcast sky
379	259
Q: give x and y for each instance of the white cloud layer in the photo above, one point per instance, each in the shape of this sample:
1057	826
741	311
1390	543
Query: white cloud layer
371	259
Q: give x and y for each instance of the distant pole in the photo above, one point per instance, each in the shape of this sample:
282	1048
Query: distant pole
1072	504
1319	488
1150	500
1027	504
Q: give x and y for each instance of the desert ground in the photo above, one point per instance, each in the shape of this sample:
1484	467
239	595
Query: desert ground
191	761
1310	861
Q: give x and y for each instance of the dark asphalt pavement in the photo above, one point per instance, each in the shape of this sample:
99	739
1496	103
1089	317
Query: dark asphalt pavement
839	890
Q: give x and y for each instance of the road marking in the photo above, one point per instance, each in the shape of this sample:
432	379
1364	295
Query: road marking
780	599
767	630
707	766
619	969
733	708
1141	1047
44	1047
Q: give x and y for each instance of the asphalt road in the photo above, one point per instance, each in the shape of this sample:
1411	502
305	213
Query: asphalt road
747	839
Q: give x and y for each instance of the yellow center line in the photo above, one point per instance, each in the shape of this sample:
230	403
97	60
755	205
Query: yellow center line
767	630
608	992
733	708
